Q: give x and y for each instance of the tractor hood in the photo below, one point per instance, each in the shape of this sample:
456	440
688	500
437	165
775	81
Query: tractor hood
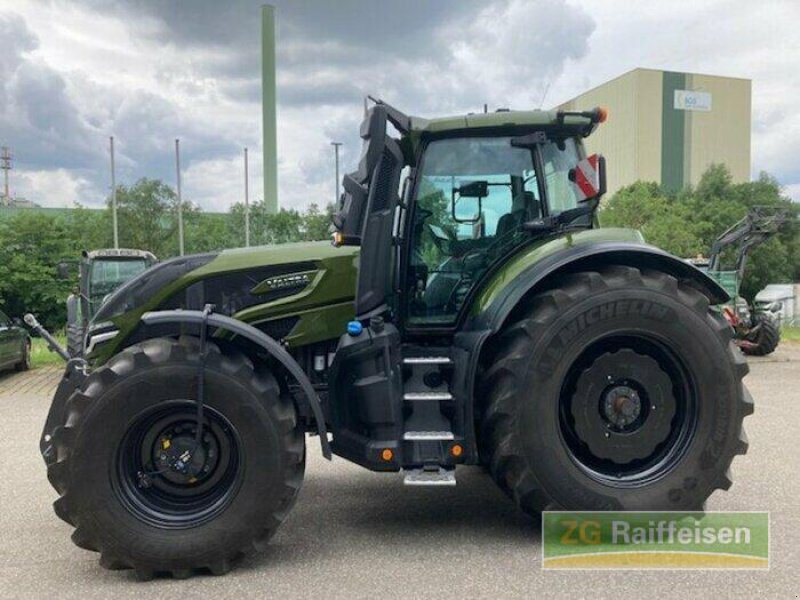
255	285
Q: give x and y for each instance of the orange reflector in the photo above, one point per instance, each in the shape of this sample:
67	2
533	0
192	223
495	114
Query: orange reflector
457	450
387	454
602	114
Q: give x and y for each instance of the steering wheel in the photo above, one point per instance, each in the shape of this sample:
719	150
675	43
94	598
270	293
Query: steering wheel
482	252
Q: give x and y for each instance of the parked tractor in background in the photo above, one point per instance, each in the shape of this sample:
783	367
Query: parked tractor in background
756	327
468	313
100	273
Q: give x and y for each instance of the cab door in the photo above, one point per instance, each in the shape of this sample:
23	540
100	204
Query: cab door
472	197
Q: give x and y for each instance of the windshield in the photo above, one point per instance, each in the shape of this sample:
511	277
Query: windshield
108	274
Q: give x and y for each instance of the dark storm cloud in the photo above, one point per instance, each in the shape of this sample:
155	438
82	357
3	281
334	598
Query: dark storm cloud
429	58
37	118
351	35
47	128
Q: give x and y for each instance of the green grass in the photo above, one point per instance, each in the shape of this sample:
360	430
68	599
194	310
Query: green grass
41	355
790	334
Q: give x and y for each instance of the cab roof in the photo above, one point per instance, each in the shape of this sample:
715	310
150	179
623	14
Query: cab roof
499	118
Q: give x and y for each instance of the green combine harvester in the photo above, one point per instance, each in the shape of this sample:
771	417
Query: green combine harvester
468	313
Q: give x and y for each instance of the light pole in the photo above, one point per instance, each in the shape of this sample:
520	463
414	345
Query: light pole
246	204
114	196
180	202
336	181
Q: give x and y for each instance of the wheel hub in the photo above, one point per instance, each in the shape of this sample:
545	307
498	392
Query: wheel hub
179	457
622	407
168	477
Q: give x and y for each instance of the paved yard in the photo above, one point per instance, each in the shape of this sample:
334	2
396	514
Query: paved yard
356	534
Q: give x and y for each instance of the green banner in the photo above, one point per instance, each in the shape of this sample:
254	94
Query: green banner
655	540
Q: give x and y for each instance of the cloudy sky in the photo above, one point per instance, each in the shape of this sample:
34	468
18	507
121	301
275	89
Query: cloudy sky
147	71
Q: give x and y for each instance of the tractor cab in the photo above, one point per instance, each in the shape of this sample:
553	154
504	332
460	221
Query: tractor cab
476	188
103	271
100	273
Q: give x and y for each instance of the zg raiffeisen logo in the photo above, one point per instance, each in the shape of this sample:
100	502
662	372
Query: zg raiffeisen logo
655	540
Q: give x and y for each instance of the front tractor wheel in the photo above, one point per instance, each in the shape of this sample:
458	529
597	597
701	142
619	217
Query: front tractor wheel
617	390
148	491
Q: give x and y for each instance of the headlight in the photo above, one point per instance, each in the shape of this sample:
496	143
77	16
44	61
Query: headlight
99	333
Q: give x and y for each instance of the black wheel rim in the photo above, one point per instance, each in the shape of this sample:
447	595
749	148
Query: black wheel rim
627	411
165	478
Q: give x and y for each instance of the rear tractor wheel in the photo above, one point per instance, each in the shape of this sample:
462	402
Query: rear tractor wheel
146	490
618	390
763	339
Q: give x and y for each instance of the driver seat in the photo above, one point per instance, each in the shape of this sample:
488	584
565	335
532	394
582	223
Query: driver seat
523	208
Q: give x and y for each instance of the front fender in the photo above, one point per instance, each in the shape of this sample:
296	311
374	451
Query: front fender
217	321
533	268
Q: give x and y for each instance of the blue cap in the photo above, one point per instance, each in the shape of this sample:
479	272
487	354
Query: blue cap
354	328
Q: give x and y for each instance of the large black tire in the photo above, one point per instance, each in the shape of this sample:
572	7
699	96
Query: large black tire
25	363
542	431
766	339
253	481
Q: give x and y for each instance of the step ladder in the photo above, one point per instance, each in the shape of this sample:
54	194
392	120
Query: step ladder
428	431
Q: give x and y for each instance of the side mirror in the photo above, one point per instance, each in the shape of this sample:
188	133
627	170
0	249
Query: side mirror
474	189
466	201
589	178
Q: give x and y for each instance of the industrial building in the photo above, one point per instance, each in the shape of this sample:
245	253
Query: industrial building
669	127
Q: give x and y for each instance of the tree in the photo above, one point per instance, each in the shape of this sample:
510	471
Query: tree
287	225
317	224
687	223
32	244
147	217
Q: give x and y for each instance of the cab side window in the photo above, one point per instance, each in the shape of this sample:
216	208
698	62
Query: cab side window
473	196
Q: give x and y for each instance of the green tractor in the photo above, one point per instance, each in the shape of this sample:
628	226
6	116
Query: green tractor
100	272
469	312
756	328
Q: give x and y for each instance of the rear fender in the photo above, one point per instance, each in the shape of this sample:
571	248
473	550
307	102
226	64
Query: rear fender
498	304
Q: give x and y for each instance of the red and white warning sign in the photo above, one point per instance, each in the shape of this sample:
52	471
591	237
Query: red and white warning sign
587	177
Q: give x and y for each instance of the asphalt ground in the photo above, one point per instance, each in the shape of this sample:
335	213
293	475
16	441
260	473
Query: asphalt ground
356	534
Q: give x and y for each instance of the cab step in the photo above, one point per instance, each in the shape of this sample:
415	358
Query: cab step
430	396
428	436
427	360
428	476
